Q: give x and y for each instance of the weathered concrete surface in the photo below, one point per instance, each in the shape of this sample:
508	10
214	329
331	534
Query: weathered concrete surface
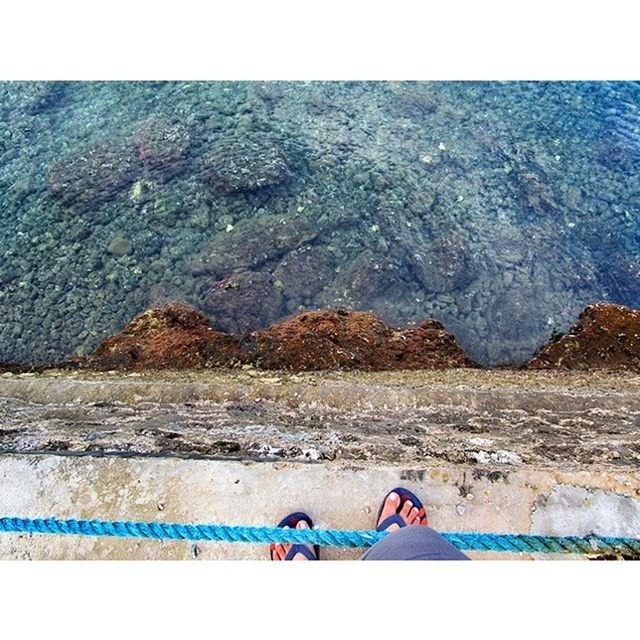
335	495
507	419
504	451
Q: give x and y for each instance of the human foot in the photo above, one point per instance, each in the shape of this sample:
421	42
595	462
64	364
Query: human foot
400	509
294	551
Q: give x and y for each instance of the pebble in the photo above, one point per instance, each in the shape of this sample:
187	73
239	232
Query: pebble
120	246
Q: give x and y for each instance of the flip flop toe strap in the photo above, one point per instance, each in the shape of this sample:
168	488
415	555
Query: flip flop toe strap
300	548
394	519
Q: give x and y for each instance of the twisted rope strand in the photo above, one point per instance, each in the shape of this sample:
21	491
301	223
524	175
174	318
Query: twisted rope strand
472	541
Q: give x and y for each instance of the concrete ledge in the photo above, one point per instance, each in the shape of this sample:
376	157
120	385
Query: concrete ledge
335	495
336	389
506	419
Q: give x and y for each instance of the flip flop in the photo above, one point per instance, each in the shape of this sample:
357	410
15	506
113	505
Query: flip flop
291	521
405	495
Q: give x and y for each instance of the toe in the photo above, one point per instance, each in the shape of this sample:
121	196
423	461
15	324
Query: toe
285	547
303	525
406	510
390	506
413	516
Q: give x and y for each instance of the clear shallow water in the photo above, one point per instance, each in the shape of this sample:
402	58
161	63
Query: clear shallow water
501	209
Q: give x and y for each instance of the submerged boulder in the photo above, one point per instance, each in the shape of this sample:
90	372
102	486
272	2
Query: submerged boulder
161	143
362	282
329	339
39	97
246	163
443	265
605	336
304	272
253	243
244	301
94	176
175	336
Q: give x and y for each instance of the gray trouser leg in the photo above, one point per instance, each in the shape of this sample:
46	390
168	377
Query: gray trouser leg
414	543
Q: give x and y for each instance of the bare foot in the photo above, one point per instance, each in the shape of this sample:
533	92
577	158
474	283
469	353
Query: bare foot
279	551
410	514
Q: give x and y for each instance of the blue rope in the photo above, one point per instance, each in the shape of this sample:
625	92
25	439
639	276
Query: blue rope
512	543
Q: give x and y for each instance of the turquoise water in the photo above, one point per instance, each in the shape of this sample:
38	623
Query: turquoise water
501	209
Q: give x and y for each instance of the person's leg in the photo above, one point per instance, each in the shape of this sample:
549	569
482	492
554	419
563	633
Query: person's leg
414	543
403	515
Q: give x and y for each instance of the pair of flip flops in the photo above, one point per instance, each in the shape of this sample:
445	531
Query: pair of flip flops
292	520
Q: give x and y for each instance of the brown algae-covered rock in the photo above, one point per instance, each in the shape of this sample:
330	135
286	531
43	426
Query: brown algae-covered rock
175	336
606	336
428	346
317	340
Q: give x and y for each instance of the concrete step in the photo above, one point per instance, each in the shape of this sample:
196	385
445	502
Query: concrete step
261	493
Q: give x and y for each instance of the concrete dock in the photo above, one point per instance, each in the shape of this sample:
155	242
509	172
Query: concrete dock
496	451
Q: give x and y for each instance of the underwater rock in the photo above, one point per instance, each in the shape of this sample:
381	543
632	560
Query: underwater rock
305	272
443	265
605	336
162	294
120	246
244	301
514	312
239	164
414	100
317	340
176	336
618	147
8	273
161	143
618	273
362	282
510	247
38	97
93	176
252	243
535	193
